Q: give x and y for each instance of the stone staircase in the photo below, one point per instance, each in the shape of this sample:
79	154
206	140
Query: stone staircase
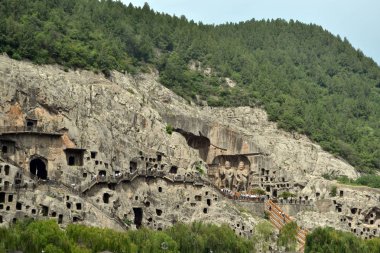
279	218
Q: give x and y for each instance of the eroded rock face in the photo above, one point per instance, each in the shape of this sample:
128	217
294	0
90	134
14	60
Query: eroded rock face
101	150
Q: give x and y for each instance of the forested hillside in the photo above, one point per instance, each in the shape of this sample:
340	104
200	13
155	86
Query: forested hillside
308	80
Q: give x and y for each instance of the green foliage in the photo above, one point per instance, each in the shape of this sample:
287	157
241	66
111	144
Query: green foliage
369	180
307	79
200	170
286	195
35	236
128	221
333	191
328	240
258	191
266	215
328	176
287	236
205	237
263	235
365	180
169	129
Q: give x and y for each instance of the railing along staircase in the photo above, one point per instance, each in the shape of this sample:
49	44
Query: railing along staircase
279	218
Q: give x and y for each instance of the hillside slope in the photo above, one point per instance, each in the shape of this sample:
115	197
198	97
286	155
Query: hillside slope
307	80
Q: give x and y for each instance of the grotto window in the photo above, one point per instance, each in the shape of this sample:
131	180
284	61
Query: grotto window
6	170
198	198
1	219
45	211
31	124
102	173
10	198
18	206
132	166
2	197
173	170
158	212
71	161
75	156
159	157
38	168
4	149
93	154
6	185
106	198
209	202
79	206
138	212
60	219
274	193
267	188
205	210
341	193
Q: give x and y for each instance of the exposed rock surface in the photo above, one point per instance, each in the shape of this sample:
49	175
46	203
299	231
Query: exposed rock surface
95	141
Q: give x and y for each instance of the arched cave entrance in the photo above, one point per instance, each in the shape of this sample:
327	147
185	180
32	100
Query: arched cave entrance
38	168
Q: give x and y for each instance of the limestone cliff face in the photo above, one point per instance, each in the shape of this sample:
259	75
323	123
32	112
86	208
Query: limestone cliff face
93	128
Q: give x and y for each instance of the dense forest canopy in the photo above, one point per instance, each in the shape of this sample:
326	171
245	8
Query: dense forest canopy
46	236
307	79
328	240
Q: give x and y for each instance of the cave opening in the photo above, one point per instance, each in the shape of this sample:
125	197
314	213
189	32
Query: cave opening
71	161
106	198
199	142
6	170
60	219
173	170
138	212
38	168
45	210
132	166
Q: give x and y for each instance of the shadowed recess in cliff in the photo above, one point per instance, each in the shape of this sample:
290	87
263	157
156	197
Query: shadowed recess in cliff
199	142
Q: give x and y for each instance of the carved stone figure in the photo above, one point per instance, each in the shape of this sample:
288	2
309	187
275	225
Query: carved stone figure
229	174
242	177
218	174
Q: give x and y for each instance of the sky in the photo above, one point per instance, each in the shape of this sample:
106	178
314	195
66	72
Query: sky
357	20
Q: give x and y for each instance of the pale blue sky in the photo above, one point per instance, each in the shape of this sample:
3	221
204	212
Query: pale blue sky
357	20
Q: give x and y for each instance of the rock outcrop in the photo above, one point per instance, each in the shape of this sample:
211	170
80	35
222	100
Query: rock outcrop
124	151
